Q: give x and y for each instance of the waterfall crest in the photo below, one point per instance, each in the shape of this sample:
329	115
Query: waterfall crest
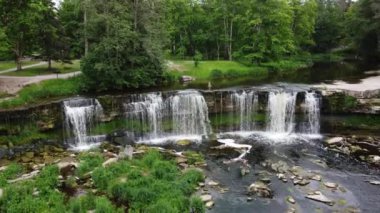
245	105
312	112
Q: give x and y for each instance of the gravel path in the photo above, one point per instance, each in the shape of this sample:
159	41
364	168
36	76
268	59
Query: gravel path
24	67
12	84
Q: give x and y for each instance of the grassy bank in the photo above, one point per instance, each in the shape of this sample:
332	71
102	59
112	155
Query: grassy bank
57	67
231	70
148	183
45	90
5	65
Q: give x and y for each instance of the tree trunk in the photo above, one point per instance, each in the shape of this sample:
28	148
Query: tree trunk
225	37
85	31
217	52
230	41
18	56
49	64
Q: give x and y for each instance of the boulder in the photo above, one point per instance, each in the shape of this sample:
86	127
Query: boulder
331	185
261	189
209	204
186	78
126	153
334	140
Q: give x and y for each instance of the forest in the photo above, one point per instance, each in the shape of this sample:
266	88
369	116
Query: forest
124	43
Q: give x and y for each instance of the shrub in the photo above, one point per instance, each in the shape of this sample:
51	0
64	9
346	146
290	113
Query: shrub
12	171
88	162
216	74
196	205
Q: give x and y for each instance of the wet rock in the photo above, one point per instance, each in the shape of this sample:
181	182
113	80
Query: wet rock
291	200
265	180
213	183
209	204
244	170
261	189
374	182
334	140
331	185
318	196
67	166
316	177
126	153
291	210
180	160
280	167
109	162
301	182
183	142
206	198
249	199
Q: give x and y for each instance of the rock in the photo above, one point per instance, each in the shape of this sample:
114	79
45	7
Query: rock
316	177
331	185
25	177
109	161
186	78
180	160
183	142
291	210
201	184
29	154
249	199
291	200
334	140
25	159
209	204
261	189
318	196
374	182
127	152
301	182
67	166
265	180
244	170
206	198
213	183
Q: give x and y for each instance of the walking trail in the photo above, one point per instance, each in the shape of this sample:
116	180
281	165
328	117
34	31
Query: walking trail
24	67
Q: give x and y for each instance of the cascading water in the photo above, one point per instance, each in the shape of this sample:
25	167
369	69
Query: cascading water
312	112
80	115
186	112
281	109
245	104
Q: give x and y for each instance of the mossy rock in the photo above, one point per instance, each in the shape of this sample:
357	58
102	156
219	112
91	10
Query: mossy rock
183	142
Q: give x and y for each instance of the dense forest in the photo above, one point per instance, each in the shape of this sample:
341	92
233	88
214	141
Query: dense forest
123	43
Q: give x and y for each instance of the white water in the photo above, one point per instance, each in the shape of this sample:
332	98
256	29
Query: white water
185	113
245	105
281	109
312	113
80	115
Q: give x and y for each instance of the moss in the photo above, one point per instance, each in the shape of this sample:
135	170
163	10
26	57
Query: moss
340	103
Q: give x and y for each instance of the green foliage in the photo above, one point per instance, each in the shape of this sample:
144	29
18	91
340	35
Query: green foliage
197	58
48	89
216	74
12	171
340	103
28	135
88	162
196	205
89	202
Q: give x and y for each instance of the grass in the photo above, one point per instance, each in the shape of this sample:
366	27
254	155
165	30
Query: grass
45	90
57	67
149	183
4	65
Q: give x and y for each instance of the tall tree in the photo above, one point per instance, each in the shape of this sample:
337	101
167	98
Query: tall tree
19	20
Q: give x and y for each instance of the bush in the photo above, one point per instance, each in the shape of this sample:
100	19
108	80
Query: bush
88	162
216	74
196	205
12	171
233	74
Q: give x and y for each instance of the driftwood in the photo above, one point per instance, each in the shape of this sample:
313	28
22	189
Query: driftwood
244	149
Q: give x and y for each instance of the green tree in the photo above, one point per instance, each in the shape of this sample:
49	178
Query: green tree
329	29
128	52
363	21
19	20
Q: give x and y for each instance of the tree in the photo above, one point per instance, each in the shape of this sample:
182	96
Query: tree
329	29
363	20
128	52
19	19
51	38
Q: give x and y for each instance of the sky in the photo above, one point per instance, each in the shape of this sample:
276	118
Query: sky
57	2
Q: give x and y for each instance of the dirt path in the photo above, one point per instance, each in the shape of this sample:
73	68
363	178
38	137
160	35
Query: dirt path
12	84
24	67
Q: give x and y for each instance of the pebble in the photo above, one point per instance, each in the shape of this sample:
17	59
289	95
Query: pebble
331	185
206	198
291	200
210	204
213	183
249	199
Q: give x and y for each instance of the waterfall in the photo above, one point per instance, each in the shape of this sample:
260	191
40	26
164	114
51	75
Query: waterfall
245	105
281	108
80	115
186	112
190	113
312	112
